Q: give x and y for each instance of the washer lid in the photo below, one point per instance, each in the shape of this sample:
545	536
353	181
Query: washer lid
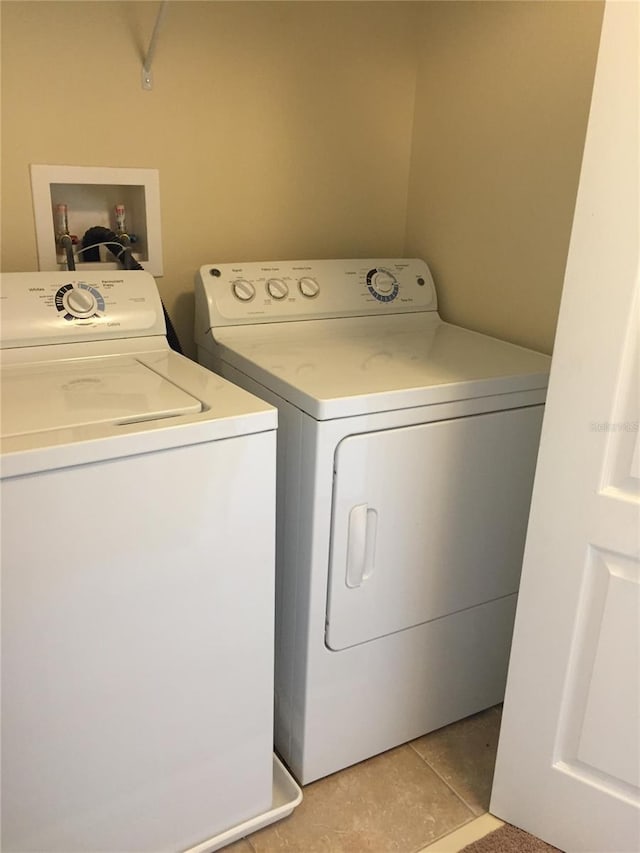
338	368
119	390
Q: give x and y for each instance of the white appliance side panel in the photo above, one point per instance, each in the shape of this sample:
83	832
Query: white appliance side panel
428	520
293	512
137	649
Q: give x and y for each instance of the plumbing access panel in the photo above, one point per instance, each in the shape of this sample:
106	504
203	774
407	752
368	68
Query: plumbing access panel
80	197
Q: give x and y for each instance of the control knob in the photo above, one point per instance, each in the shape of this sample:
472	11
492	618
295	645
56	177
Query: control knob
79	303
382	284
243	290
277	288
308	287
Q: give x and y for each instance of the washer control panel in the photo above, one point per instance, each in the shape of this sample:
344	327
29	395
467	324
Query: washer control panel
55	307
278	291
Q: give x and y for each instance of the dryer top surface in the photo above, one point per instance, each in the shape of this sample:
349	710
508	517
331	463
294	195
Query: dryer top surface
351	366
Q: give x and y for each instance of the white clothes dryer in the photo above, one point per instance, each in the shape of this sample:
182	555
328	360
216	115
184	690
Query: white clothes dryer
138	528
406	454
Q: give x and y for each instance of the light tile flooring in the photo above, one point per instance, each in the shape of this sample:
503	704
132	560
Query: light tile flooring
398	802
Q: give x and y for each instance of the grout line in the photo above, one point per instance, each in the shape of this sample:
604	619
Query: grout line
448	784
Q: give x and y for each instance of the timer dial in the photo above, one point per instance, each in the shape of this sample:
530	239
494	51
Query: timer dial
308	287
243	290
79	303
382	285
383	282
277	288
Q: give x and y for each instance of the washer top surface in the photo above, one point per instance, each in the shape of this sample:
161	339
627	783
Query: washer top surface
79	389
63	395
346	337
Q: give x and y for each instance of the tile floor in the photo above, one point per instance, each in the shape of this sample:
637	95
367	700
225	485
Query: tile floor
398	802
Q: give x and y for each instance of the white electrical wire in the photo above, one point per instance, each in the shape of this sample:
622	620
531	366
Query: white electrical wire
97	246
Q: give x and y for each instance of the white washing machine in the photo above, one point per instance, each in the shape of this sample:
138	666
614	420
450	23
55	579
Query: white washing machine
406	454
138	527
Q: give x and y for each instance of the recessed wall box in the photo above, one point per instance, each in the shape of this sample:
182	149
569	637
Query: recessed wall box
91	194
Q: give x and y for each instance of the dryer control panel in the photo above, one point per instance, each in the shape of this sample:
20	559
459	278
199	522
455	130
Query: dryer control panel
39	308
280	291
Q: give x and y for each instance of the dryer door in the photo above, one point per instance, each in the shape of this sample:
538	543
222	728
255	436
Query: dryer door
428	520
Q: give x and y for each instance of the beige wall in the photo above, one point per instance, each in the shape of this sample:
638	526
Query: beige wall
502	102
449	130
278	129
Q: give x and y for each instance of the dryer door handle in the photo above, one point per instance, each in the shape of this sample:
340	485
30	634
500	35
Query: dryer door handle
361	544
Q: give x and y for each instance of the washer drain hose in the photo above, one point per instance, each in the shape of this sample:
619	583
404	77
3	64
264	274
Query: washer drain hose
98	234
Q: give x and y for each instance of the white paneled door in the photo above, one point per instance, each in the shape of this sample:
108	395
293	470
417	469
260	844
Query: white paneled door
568	767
